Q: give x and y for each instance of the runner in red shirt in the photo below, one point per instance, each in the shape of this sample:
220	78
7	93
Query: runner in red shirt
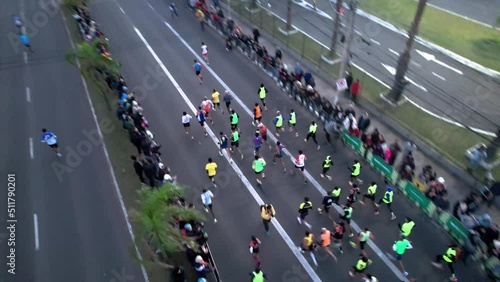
263	134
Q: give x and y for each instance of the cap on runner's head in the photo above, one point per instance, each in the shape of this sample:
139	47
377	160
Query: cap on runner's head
277	112
198	259
440	180
227	92
201	279
260	125
389	188
323	229
188	226
205	98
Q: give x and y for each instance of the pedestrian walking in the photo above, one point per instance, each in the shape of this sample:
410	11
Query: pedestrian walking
325	242
400	247
338	235
207	106
254	247
406	227
234	119
308	245
173	10
200	115
257	115
360	267
278	154
211	169
186	123
26	41
372	190
235	141
227	100
346	217
327	163
304	208
292	122
267	212
278	123
50	139
300	164
139	169
197	69
204	52
216	100
224	145
262	95
355	90
387	199
355	172
450	257
206	200
257	275
312	134
257	143
363	238
258	166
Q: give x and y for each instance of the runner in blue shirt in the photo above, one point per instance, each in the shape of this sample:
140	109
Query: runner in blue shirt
51	140
224	144
197	69
257	143
201	118
278	154
26	41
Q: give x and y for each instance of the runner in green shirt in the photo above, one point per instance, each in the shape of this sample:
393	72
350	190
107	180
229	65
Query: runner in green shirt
258	166
399	248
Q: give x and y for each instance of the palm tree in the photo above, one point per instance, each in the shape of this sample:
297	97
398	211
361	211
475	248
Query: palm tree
289	16
336	26
156	222
404	59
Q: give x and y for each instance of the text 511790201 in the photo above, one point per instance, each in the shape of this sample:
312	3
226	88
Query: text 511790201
11	223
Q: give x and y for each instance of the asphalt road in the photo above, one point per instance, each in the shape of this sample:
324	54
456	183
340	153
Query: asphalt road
82	233
486	11
470	98
143	43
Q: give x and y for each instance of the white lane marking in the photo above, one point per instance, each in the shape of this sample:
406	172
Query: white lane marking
35	223
28	94
394	52
438	76
243	178
415	64
381	254
392	71
122	10
374	41
108	161
432	58
25	57
32	153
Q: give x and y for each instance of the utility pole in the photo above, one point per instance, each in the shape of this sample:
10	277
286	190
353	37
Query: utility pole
346	53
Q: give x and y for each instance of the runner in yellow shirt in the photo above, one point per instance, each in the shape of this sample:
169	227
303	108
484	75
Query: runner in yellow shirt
216	100
211	169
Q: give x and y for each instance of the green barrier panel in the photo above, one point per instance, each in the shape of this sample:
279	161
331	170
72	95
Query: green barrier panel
353	142
420	199
457	230
384	168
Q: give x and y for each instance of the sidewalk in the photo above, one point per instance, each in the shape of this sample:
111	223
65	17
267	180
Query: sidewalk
458	183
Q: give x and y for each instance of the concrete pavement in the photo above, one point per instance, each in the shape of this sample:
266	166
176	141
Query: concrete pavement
81	230
237	212
446	87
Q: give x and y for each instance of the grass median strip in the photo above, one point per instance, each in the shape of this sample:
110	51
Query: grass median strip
449	140
466	38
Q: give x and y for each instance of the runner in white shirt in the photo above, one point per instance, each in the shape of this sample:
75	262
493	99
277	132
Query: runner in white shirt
186	119
206	200
204	52
207	106
300	164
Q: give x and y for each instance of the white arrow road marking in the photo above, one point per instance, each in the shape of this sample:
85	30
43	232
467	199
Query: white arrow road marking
393	72
438	76
394	52
432	58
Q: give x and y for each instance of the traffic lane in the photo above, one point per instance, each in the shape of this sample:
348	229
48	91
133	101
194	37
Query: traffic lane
288	205
435	78
233	204
242	86
76	195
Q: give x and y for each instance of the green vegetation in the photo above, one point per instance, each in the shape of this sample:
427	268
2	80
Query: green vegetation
466	38
449	140
119	150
